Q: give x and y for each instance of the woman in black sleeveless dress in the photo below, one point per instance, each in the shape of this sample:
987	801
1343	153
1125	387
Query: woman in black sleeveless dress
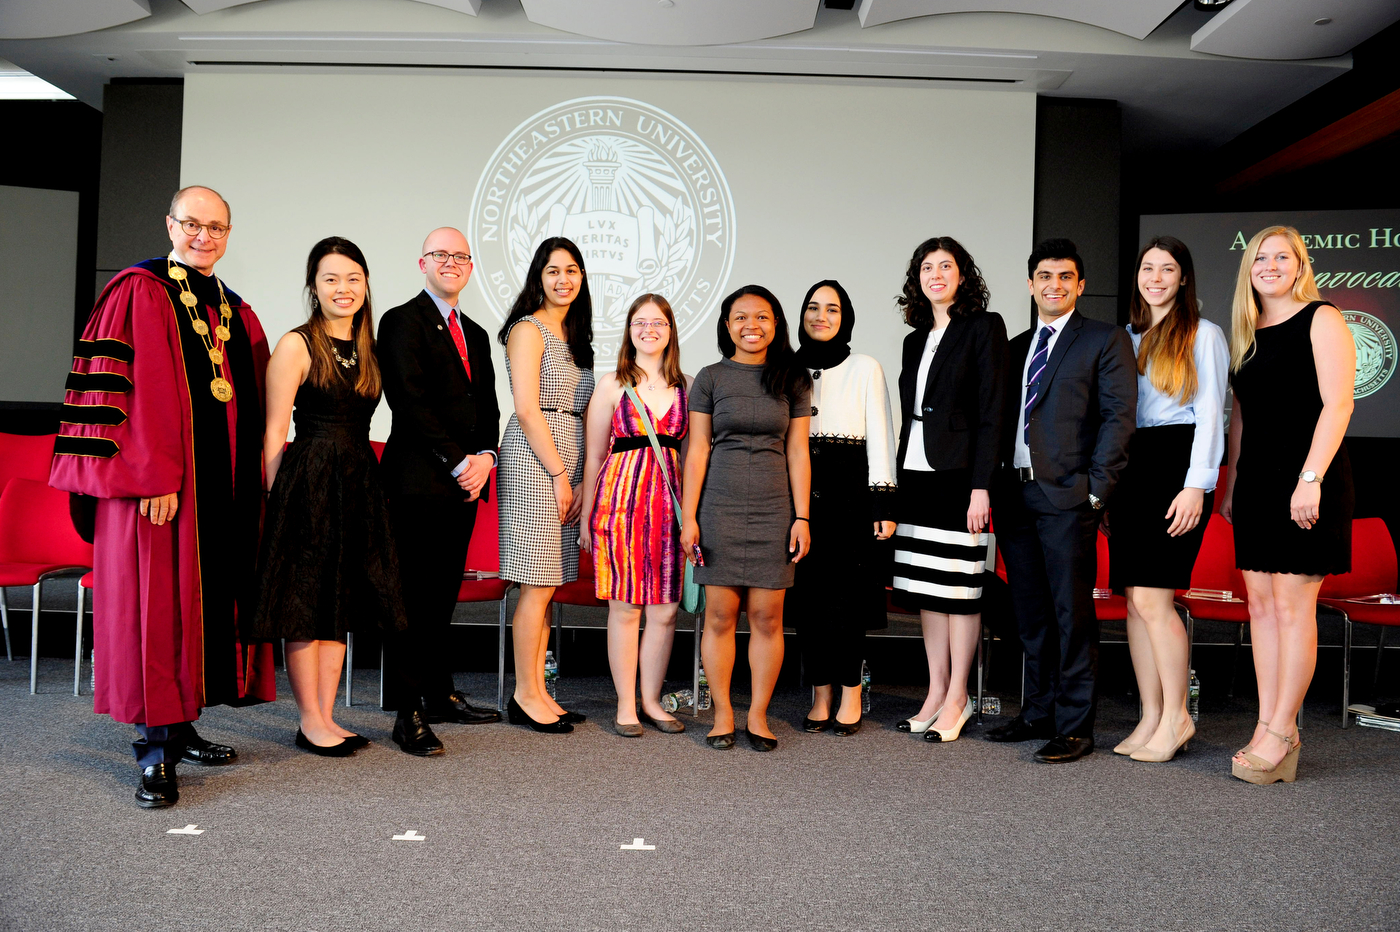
327	563
1294	363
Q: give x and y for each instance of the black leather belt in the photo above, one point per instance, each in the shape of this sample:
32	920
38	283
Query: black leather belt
577	414
622	444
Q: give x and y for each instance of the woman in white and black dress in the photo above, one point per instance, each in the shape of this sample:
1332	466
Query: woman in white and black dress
839	590
1163	501
950	394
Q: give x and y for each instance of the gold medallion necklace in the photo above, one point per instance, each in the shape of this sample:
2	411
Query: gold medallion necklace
219	387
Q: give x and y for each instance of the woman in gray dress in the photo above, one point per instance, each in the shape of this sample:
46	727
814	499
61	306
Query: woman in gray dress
549	361
747	477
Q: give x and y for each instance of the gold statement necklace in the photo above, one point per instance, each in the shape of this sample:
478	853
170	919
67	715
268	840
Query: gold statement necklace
219	387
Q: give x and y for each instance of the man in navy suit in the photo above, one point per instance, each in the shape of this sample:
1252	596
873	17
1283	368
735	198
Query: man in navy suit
1071	409
441	385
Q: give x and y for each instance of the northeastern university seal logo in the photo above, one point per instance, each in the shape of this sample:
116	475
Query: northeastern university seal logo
1375	352
633	186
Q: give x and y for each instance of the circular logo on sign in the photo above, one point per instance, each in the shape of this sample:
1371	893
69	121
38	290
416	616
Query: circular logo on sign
1375	351
633	186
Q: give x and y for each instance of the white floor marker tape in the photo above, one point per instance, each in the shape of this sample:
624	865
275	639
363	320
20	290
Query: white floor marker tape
637	845
411	835
187	830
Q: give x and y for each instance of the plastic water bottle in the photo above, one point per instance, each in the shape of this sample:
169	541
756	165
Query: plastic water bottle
703	702
1193	697
674	702
864	688
551	673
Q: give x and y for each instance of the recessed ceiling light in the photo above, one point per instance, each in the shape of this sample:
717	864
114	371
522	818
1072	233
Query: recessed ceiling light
1211	6
1322	22
667	4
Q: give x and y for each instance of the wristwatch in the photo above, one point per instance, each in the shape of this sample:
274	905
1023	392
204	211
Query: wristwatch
1309	475
1095	502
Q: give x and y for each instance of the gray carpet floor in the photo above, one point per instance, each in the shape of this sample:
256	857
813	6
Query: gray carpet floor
878	831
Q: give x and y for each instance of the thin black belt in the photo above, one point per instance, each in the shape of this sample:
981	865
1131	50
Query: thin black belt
622	444
577	414
915	417
1024	473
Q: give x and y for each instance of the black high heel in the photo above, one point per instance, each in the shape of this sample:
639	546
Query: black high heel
573	718
519	716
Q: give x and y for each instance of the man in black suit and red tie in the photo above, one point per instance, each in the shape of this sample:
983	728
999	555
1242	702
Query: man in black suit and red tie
441	386
1071	410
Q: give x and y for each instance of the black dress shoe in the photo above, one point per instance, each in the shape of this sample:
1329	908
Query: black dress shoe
412	734
721	742
459	711
1018	729
1062	749
760	743
158	787
845	729
343	749
199	751
519	716
573	718
816	725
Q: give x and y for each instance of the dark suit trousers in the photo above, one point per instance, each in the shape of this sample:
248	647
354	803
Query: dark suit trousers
1051	563
432	533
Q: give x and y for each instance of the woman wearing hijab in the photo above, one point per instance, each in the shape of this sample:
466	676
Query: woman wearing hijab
840	588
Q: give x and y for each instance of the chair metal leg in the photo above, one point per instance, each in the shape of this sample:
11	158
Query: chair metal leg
1023	681
1380	652
501	659
558	642
5	620
1235	661
980	655
34	640
78	649
381	677
1346	669
695	671
1190	638
349	666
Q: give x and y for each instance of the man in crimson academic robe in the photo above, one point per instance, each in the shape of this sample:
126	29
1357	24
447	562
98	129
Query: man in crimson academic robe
163	426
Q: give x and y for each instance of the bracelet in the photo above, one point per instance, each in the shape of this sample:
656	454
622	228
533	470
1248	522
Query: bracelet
802	519
556	475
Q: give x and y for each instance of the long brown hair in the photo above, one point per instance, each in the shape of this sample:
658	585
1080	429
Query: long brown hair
1166	354
323	365
628	372
1244	313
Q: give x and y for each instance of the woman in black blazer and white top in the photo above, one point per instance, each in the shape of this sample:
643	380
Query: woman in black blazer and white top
950	394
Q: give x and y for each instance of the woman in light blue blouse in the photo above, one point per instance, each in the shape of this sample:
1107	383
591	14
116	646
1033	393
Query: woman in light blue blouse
1160	508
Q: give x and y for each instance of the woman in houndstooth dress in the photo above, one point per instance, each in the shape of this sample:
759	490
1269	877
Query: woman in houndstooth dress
549	361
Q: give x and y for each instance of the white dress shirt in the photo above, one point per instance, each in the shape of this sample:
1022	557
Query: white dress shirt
1206	410
447	310
914	455
1022	455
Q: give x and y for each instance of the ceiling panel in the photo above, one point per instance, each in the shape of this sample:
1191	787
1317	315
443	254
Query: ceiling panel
1136	18
470	7
675	22
20	19
1292	30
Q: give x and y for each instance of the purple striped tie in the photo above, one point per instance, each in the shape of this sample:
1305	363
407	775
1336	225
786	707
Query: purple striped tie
1033	374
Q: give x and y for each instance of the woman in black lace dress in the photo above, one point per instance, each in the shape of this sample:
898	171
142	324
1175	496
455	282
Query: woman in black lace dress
327	564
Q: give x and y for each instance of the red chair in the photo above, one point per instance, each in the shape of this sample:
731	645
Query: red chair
25	457
37	542
1353	595
1110	607
1215	573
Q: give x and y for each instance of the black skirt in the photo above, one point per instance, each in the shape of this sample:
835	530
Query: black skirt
938	565
1140	551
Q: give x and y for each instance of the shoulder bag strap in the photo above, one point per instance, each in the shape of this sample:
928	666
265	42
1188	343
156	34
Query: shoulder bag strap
655	446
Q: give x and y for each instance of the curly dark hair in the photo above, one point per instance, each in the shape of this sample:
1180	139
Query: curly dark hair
578	322
783	375
972	294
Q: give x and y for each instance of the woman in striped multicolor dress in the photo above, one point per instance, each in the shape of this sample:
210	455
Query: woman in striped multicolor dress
632	531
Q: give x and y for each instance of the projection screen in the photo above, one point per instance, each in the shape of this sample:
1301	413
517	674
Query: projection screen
688	187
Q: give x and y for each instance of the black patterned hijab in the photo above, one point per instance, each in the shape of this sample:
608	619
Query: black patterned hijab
817	354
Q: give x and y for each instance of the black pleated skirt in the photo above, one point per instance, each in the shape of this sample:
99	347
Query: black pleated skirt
1140	551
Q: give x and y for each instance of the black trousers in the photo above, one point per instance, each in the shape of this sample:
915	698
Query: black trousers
161	744
432	534
833	648
1051	563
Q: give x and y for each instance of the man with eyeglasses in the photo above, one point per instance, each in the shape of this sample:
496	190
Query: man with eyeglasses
441	386
162	442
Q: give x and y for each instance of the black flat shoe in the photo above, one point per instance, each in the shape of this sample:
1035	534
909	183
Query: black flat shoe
573	718
343	749
357	741
668	726
760	743
845	729
815	725
721	742
158	787
413	736
519	716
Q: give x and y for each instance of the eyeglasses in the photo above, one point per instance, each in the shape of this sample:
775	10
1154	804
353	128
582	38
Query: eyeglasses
440	257
191	228
660	326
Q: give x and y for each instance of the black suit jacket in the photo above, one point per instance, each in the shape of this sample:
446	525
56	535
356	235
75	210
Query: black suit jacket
1086	413
440	416
962	401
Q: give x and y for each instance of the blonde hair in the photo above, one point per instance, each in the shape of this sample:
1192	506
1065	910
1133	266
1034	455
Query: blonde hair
1244	314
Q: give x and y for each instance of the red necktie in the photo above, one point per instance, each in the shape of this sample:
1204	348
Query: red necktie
461	342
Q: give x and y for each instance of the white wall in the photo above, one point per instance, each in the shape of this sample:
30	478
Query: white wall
828	180
38	268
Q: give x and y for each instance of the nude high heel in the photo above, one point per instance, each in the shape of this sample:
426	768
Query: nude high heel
1126	748
1161	757
1259	771
1250	746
